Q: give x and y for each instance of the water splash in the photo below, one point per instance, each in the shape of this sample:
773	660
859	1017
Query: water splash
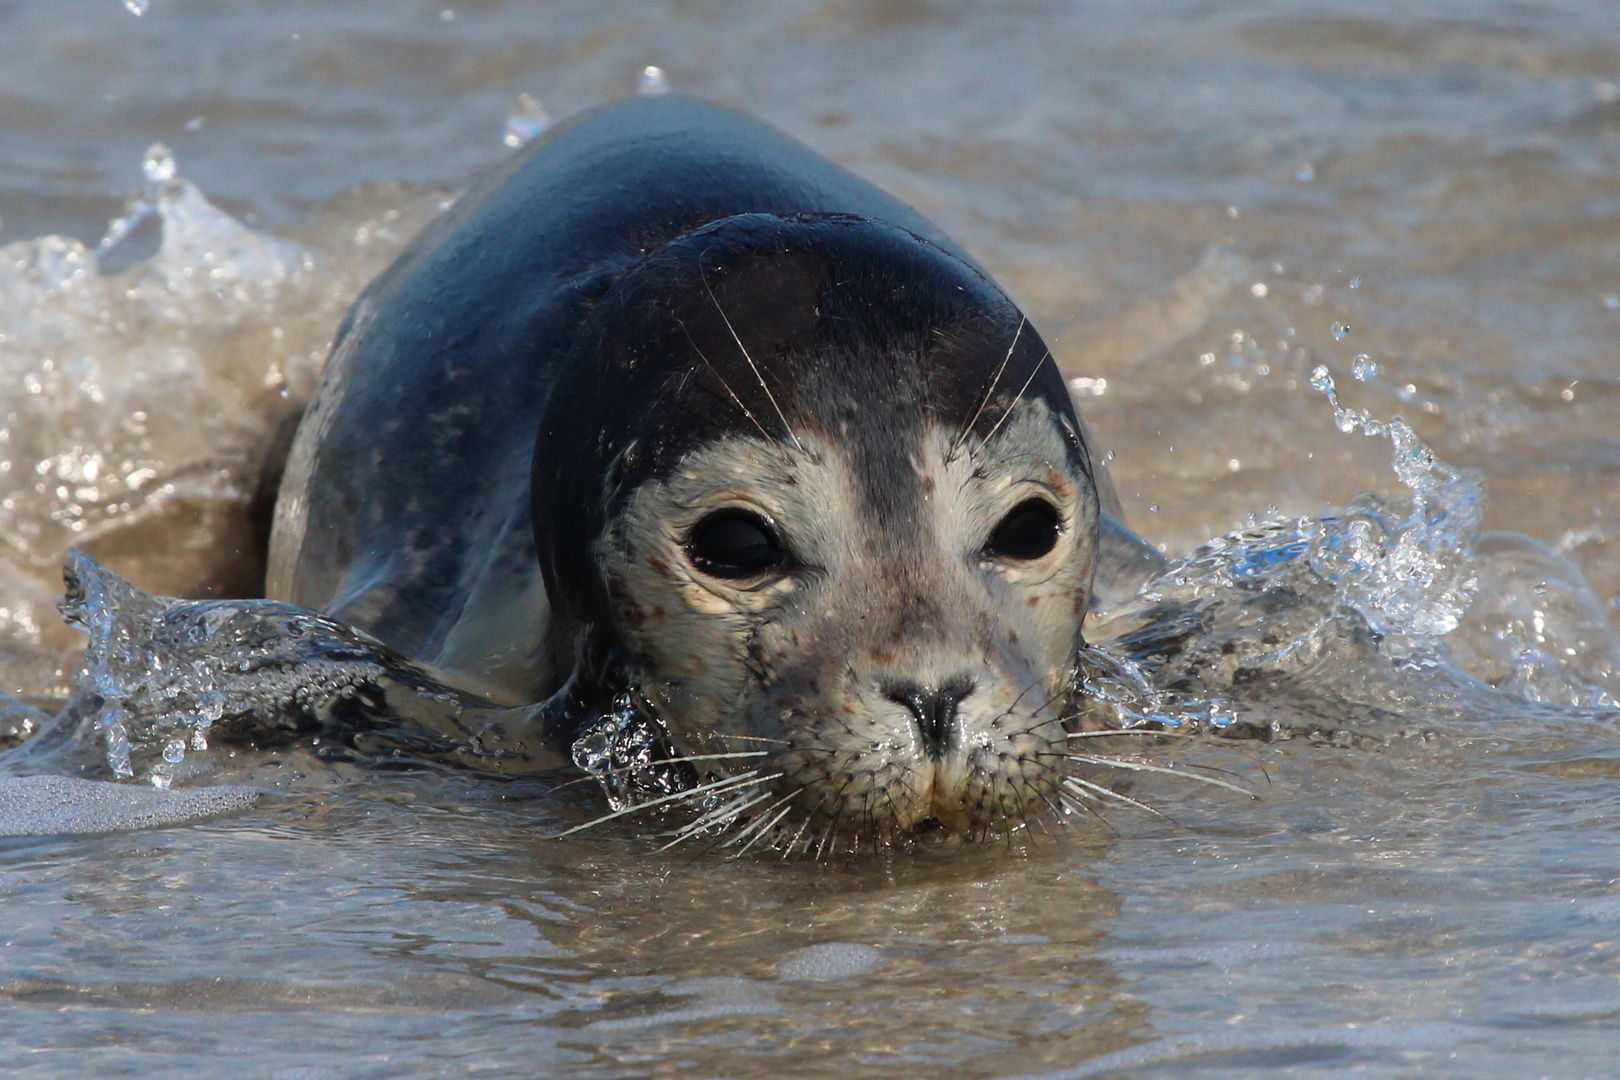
96	356
180	312
526	120
627	750
652	81
1379	609
162	674
158	164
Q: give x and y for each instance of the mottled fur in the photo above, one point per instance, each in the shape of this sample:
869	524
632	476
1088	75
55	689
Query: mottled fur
807	661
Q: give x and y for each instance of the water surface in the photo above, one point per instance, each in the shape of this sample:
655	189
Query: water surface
1188	199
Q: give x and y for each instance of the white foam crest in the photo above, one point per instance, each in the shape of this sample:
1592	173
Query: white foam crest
159	673
141	383
163	676
1397	578
1117	693
115	400
1403	563
61	805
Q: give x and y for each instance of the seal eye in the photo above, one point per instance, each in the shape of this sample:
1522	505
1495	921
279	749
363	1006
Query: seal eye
734	544
1029	531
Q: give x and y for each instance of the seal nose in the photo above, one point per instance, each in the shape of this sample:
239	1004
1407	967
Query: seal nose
934	709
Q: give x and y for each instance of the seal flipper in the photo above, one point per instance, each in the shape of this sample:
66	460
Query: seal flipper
1125	562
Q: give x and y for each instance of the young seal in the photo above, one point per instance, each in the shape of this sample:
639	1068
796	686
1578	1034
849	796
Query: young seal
671	403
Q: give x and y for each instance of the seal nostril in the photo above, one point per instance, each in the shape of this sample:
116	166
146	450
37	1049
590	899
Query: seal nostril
934	709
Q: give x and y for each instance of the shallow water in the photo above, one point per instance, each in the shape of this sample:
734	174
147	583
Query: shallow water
1188	199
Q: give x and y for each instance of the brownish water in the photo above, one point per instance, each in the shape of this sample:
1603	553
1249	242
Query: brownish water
1187	198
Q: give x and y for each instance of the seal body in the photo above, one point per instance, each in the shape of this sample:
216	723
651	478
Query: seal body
671	402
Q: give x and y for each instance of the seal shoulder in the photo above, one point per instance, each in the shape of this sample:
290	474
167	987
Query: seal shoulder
404	506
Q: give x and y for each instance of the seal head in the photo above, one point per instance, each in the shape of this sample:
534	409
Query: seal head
819	488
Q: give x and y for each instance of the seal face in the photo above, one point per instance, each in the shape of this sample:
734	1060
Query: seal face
783	460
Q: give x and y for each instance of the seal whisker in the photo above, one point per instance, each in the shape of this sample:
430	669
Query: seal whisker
1136	765
720	815
753	825
750	776
736	815
1133	731
1008	824
809	819
780	415
826	837
661	761
1074	806
770	829
763	826
1050	805
1251	758
1086	788
791	844
1033	371
950	455
1041	708
1008	711
732	812
724	816
722	378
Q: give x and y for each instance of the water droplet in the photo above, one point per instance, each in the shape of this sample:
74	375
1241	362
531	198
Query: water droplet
1231	211
1153	508
1355	282
1206	359
1612	302
158	164
1305	173
174	751
137	8
1259	288
1364	368
652	81
195	123
1233	465
525	119
447	15
1340	331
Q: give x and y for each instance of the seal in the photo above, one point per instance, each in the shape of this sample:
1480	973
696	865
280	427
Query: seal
671	404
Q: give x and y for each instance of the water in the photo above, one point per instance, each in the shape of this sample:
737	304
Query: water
1190	200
